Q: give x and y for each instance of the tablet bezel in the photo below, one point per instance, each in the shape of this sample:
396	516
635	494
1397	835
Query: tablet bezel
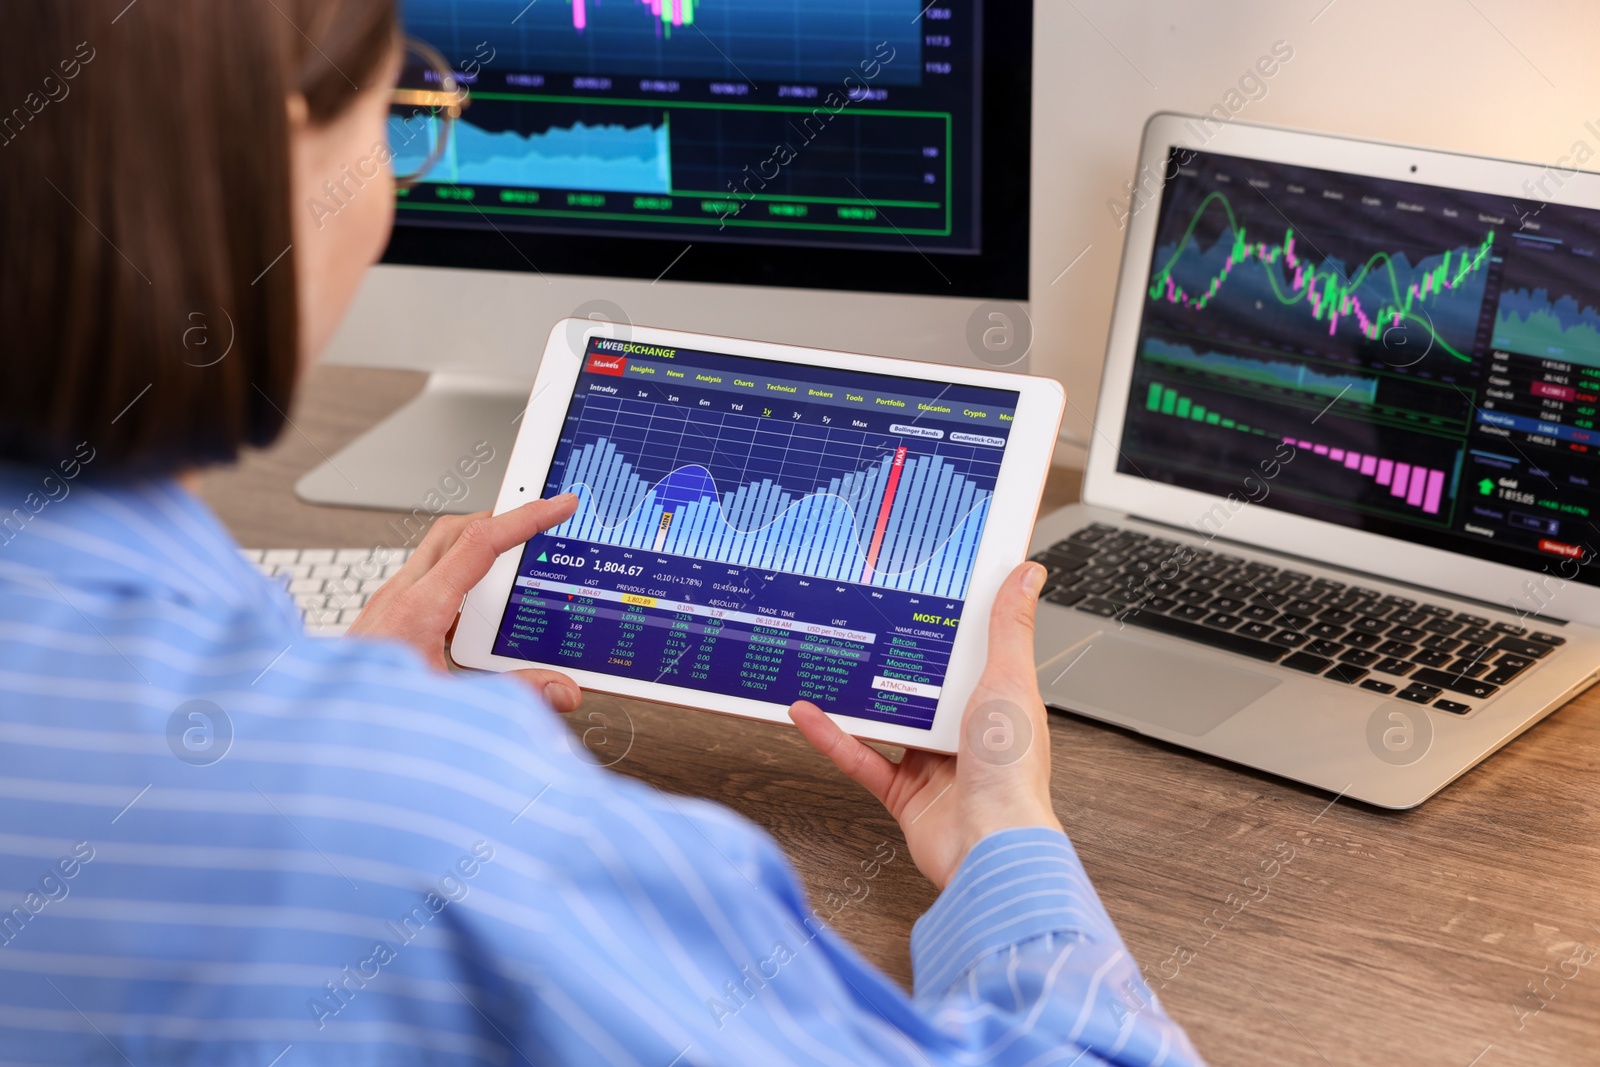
1018	490
1502	585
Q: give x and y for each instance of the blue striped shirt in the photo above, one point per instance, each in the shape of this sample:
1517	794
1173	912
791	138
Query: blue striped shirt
225	842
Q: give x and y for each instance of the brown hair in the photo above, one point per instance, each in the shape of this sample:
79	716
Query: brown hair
147	294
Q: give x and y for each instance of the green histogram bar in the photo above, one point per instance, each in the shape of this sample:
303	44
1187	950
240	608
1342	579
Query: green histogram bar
1166	401
686	16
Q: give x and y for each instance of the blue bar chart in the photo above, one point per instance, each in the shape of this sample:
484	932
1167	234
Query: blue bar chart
906	522
605	157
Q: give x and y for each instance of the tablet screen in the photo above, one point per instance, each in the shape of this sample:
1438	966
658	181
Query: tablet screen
761	529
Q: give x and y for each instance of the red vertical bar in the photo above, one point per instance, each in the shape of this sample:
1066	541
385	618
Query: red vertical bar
883	512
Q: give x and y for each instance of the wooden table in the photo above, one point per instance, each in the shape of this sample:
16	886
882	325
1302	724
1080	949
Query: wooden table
1463	932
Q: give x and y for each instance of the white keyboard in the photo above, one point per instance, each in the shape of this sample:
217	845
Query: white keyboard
330	585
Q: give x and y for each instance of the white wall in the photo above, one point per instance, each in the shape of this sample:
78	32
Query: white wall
1437	73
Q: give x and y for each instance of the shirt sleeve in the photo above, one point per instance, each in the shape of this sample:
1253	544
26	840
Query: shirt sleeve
1018	956
1017	963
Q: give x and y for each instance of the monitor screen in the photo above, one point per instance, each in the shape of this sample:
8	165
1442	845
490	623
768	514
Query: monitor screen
837	144
761	529
1416	361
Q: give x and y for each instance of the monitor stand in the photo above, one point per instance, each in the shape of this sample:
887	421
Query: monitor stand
411	460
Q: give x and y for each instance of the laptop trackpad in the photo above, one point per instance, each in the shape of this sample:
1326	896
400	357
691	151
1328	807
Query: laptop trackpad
1130	679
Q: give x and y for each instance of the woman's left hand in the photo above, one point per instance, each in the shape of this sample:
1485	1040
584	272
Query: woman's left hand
420	604
999	779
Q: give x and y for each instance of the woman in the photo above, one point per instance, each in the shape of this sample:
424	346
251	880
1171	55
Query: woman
223	842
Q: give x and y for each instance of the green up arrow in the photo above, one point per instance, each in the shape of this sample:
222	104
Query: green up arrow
1486	486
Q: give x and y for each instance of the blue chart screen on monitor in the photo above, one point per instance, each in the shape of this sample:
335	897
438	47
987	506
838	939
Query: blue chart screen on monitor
762	529
829	122
1416	361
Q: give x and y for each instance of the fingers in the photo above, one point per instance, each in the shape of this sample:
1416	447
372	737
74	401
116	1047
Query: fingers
1011	630
482	540
434	544
441	535
559	691
421	604
860	763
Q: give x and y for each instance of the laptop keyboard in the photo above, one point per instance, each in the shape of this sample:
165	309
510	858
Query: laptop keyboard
330	586
1349	635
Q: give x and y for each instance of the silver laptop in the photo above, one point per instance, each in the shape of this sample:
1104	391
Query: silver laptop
1340	504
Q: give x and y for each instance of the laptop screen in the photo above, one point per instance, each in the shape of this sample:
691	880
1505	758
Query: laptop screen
1409	360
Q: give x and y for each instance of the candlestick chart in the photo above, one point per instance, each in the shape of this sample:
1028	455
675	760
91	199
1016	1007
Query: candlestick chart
1274	280
818	41
671	13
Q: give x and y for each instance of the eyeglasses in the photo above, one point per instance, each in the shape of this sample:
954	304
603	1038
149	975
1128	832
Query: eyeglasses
427	102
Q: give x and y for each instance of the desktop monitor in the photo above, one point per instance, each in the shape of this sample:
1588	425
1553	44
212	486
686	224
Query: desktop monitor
849	174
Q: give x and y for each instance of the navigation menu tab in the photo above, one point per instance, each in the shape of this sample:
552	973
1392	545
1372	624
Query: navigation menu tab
913	403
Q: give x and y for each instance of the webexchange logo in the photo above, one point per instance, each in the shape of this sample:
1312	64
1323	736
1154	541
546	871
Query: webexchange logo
627	348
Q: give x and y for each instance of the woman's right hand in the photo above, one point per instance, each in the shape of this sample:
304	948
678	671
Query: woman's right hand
421	604
1000	778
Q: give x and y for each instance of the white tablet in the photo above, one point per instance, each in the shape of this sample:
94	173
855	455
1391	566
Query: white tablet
760	524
